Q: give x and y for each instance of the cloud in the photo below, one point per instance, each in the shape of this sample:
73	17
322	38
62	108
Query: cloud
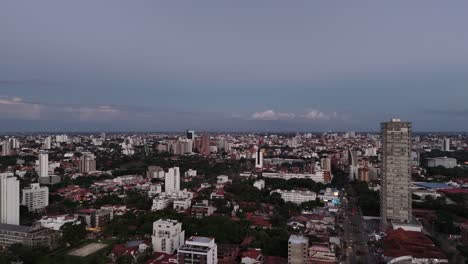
272	115
16	108
310	114
314	114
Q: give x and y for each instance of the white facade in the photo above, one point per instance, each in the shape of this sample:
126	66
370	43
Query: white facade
259	184
56	222
222	179
190	173
297	197
35	197
43	164
161	202
446	144
259	159
172	180
197	248
47	143
168	236
318	176
9	199
297	249
182	204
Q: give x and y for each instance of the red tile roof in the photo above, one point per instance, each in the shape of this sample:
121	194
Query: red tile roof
399	243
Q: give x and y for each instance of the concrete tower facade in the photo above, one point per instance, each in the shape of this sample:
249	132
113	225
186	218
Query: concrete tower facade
395	198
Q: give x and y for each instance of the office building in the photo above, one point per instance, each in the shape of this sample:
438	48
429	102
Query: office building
172	180
9	199
28	236
87	162
43	164
190	134
168	236
35	197
205	145
297	249
395	198
198	250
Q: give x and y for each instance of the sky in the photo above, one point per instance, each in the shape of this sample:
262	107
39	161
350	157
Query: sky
238	65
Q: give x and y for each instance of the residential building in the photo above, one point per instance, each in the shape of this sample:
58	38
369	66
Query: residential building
297	197
6	149
168	236
395	198
172	180
446	144
87	162
35	197
445	162
297	249
43	164
198	250
259	184
47	143
9	199
259	159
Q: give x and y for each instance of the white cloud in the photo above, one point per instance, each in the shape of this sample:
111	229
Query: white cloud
16	108
272	115
314	114
310	114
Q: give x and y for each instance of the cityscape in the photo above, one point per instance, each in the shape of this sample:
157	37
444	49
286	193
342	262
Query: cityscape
216	132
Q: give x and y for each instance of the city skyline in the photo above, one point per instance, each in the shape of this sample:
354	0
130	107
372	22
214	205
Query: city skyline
263	66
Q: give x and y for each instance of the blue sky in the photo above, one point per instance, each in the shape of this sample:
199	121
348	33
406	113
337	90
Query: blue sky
233	65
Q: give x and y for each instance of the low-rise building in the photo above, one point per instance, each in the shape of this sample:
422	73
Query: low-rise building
198	250
442	161
35	197
28	236
297	197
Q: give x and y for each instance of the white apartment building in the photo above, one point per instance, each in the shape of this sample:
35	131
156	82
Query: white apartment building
198	250
35	197
168	236
297	197
297	249
43	170
318	176
259	184
9	199
172	180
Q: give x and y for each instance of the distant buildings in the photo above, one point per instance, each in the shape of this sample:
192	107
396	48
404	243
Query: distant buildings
6	148
9	199
396	172
87	162
43	164
190	134
297	249
198	250
259	159
445	162
168	236
35	197
297	197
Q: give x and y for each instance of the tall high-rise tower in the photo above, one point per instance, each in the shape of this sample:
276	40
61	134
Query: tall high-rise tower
446	144
87	162
9	199
172	180
395	198
43	164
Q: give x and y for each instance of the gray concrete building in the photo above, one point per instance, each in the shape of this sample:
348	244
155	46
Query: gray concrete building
395	196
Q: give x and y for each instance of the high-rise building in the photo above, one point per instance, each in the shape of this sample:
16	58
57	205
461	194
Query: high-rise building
395	198
35	197
43	164
259	159
168	236
297	249
190	134
6	149
353	160
205	145
9	199
326	164
446	144
87	162
198	250
172	180
47	143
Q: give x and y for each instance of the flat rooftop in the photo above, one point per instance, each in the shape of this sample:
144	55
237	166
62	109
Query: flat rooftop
200	239
87	250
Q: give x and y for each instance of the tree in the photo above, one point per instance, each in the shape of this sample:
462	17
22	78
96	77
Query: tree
73	234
